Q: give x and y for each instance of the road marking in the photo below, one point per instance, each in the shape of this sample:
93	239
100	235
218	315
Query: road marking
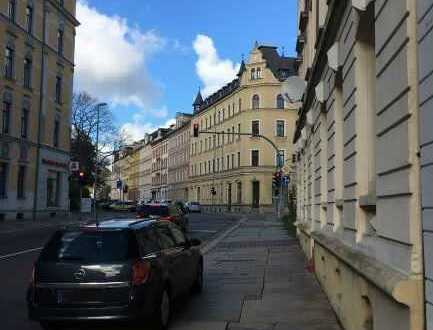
203	231
7	256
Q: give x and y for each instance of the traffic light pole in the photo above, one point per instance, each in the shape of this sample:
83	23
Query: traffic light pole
279	166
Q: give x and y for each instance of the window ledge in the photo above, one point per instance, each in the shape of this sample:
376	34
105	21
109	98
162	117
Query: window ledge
368	202
339	203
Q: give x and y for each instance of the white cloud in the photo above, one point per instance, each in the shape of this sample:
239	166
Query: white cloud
135	130
111	58
213	71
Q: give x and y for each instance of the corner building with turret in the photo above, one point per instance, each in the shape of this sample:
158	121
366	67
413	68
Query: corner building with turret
231	171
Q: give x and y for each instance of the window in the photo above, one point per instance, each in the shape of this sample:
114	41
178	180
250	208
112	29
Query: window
254	158
9	62
233	160
27	72
213	165
256	102
21	181
280	101
218	164
239	192
24	122
240	105
228	135
208	166
239	131
60	34
29	19
255	128
228	162
7	107
53	186
259	73
12	10
280	159
3	179
239	159
280	128
253	74
233	133
56	132
58	96
230	110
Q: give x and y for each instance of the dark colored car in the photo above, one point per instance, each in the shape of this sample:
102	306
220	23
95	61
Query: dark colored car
166	212
120	270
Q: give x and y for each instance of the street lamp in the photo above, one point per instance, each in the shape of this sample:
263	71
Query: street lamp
98	108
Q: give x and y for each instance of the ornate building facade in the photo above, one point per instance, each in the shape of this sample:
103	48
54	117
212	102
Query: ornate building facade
232	171
358	165
37	61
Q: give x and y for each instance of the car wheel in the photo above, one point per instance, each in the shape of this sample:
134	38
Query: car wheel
163	311
197	287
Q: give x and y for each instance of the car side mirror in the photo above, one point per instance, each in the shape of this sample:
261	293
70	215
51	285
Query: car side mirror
195	242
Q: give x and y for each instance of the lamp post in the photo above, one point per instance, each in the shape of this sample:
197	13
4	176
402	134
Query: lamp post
98	108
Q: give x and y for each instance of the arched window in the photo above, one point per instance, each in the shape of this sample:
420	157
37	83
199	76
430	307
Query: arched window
280	101
253	74
256	102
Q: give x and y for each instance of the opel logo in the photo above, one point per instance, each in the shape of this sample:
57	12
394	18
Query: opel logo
80	274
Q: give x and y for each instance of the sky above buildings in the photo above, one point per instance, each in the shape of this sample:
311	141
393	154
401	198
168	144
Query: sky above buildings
147	58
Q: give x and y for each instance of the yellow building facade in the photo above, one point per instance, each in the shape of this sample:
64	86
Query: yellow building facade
37	41
233	172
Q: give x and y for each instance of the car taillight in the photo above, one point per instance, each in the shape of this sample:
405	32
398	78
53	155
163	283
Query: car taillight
140	272
169	218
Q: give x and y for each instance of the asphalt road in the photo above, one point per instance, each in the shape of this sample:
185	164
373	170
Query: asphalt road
18	252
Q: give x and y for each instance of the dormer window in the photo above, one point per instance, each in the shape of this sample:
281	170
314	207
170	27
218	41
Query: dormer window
253	74
259	73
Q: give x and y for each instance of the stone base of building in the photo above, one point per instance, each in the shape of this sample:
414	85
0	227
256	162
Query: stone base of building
238	209
363	293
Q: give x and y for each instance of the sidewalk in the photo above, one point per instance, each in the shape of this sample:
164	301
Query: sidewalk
255	279
13	226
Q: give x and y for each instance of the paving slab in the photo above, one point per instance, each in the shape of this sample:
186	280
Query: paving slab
199	326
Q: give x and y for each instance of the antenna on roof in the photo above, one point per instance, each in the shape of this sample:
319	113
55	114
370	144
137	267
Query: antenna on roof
283	49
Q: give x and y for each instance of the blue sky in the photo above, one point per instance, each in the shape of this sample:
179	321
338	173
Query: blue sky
153	54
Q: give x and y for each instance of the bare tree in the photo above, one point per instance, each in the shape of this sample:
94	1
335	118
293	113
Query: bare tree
84	120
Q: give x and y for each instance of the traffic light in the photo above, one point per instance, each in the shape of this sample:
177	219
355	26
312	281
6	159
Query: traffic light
195	129
81	178
276	179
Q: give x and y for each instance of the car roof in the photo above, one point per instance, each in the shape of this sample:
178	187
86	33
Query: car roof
114	224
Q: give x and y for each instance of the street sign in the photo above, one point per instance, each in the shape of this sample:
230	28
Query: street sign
74	166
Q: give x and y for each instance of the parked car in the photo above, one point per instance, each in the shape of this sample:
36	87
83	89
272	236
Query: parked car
193	207
123	206
119	270
164	212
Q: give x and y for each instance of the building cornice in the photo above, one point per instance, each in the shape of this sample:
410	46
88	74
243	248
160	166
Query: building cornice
326	39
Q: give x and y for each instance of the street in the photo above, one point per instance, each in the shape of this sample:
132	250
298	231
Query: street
19	250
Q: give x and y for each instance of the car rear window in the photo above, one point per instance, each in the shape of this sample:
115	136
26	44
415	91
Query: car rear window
90	246
154	210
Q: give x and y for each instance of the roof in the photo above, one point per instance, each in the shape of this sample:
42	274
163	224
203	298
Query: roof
278	64
120	224
198	99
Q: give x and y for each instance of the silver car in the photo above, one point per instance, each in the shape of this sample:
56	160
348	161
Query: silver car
193	207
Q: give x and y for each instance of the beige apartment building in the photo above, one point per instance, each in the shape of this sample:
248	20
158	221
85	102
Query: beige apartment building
37	61
239	168
160	165
358	158
145	169
178	158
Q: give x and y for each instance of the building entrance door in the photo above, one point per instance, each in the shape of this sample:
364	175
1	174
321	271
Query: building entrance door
256	194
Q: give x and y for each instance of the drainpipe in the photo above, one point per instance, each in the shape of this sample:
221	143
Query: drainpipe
41	102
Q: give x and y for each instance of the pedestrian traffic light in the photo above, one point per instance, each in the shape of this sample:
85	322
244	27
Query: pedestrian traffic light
195	128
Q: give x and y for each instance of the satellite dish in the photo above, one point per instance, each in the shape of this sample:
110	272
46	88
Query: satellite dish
293	89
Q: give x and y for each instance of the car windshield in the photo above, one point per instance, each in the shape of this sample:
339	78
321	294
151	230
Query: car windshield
160	210
89	246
